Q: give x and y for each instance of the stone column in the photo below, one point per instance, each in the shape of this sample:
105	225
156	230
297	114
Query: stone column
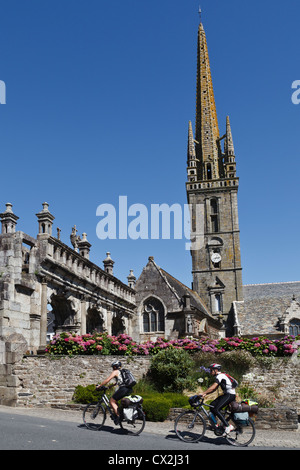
43	323
83	315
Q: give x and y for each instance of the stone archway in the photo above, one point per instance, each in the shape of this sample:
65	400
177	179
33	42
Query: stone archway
94	321
117	324
63	314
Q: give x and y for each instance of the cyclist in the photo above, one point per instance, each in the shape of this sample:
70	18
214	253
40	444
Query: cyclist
122	391
221	380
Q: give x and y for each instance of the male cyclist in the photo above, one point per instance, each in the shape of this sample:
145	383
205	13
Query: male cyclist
122	391
221	380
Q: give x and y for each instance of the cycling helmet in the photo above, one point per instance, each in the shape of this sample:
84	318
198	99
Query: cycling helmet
215	366
116	365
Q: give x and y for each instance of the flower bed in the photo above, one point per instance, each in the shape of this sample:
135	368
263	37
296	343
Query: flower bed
105	344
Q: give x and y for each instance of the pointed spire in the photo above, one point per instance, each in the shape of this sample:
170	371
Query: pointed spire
207	129
228	145
191	144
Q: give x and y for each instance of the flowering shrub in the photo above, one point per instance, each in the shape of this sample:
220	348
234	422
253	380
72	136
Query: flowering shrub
103	343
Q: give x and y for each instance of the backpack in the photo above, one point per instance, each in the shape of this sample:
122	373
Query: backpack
128	378
234	382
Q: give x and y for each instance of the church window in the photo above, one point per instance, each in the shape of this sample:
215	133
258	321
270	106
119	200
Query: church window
218	303
153	316
294	327
153	321
214	206
146	325
214	211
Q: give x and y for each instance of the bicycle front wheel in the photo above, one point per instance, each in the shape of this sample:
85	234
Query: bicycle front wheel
242	434
94	416
190	426
135	426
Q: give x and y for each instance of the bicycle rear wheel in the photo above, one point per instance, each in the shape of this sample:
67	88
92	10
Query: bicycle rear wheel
190	426
135	426
242	434
94	416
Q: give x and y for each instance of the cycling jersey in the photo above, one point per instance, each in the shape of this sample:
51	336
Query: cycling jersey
225	383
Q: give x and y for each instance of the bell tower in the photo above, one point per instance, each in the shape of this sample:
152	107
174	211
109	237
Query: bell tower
212	187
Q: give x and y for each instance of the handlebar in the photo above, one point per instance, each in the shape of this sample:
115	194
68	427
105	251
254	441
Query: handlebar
102	388
196	400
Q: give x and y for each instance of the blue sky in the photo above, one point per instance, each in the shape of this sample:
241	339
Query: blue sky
99	95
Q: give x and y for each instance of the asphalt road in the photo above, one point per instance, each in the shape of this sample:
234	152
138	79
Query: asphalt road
18	432
24	432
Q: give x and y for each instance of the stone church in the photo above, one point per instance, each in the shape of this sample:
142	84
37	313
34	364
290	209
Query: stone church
47	286
217	290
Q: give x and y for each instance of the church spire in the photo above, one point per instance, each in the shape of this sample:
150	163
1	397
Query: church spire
192	161
191	144
228	145
229	154
207	129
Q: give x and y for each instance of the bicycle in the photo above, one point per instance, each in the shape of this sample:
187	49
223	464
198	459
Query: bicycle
191	425
95	414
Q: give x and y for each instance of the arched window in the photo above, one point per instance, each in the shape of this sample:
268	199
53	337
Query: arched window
294	327
153	316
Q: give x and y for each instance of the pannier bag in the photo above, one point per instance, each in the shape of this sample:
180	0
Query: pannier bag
129	405
130	413
241	418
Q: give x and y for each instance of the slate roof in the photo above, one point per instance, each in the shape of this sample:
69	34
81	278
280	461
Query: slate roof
263	304
182	290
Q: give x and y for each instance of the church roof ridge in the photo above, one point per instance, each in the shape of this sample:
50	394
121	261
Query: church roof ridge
272	283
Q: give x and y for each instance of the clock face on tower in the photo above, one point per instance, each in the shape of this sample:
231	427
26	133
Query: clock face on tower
216	257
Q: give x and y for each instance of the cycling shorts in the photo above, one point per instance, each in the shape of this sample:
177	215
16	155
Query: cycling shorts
122	392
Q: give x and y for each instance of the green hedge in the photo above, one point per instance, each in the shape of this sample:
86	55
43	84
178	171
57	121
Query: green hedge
155	405
87	394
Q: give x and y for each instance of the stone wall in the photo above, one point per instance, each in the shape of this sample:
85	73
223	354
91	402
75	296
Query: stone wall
278	380
44	381
281	417
48	381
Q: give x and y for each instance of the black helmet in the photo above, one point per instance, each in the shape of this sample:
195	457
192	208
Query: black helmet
215	366
116	365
